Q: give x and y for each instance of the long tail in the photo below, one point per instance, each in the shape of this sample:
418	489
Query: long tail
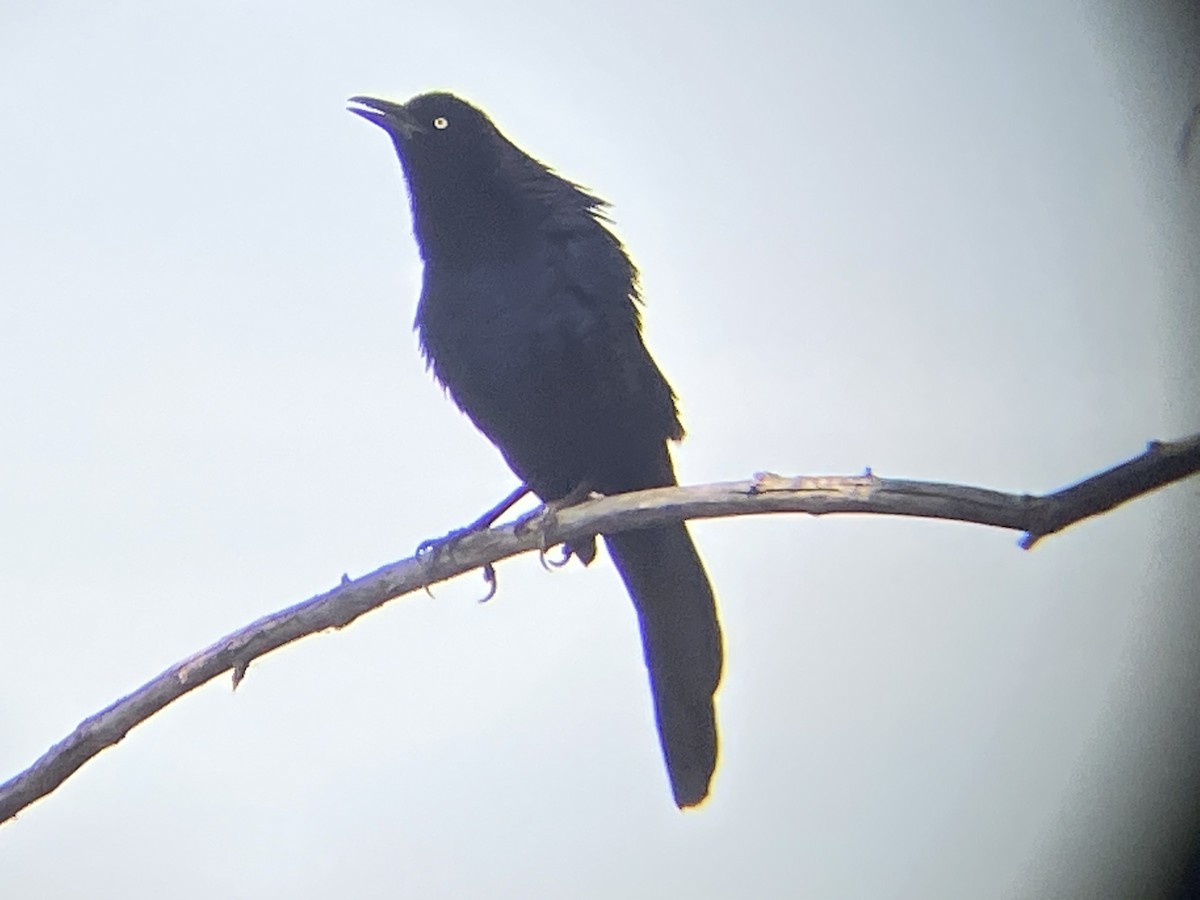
682	642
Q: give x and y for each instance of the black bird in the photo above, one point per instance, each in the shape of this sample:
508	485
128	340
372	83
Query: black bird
529	316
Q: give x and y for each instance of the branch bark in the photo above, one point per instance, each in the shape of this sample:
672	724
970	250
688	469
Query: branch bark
1036	516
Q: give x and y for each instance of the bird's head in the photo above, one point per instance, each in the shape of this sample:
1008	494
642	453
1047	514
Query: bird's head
451	154
441	139
471	188
437	125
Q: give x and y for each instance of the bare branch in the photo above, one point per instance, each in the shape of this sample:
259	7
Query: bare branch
1037	516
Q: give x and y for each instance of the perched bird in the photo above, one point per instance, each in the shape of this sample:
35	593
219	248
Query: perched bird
529	316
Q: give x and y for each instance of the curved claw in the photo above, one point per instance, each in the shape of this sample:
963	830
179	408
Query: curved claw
551	564
425	552
489	576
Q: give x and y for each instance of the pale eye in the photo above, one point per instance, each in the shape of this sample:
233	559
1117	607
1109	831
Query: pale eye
441	122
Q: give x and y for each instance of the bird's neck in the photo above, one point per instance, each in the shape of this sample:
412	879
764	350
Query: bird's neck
465	220
460	226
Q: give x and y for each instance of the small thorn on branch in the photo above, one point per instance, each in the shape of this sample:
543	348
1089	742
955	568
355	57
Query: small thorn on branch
239	672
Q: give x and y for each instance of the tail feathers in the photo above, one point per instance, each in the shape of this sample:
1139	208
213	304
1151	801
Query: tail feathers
682	642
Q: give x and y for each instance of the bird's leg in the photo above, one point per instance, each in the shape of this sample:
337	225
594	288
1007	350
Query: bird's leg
481	524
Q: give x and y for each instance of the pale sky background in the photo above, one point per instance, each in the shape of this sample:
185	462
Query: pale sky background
947	241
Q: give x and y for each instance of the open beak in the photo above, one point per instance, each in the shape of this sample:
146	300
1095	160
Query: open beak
392	117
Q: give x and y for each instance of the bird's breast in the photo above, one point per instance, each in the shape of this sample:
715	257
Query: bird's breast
480	323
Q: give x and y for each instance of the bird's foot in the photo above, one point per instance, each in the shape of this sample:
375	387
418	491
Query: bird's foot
426	548
430	546
543	519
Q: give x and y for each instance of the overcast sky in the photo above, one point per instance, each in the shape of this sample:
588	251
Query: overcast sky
945	241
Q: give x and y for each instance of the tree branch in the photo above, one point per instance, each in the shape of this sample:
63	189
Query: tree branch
1036	516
